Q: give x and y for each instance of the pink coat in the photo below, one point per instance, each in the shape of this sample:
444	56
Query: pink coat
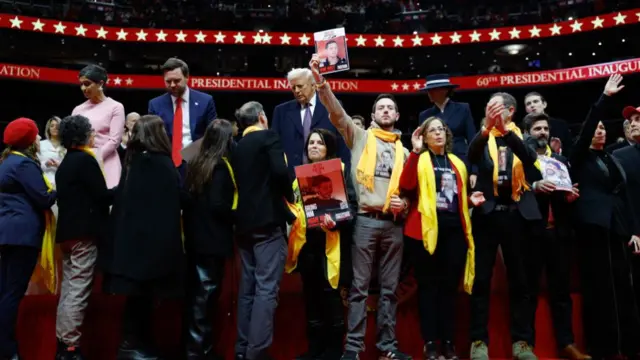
107	119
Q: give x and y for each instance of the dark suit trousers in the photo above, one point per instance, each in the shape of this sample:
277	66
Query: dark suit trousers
323	304
551	251
204	277
262	257
16	267
508	229
438	276
610	312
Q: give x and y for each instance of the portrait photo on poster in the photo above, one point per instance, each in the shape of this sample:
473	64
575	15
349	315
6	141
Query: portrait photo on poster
555	172
331	47
323	192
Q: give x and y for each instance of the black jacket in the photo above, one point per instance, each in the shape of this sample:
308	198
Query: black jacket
263	182
83	198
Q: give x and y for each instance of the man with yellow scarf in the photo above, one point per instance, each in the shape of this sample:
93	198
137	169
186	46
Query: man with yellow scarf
377	158
552	251
506	168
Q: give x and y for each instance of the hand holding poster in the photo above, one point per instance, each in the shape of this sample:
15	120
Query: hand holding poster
555	172
331	46
323	192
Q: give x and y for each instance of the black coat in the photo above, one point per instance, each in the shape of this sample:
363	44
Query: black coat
263	183
146	238
208	218
83	198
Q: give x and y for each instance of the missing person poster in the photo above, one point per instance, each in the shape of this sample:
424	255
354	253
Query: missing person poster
323	192
331	46
555	172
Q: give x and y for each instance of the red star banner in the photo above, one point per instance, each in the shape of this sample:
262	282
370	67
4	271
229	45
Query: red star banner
216	83
151	35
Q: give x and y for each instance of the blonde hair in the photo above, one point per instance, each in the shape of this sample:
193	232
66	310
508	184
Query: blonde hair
300	72
47	132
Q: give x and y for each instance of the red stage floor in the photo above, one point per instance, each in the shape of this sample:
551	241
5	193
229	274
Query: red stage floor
36	328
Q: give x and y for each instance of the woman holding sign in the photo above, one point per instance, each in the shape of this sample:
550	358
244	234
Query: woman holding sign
607	235
322	257
439	221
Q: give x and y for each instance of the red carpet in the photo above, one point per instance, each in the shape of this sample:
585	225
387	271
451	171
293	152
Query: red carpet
36	324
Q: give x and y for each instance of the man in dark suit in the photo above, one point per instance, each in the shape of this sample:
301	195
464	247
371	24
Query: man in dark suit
628	140
263	184
552	250
186	112
294	120
629	158
534	102
504	219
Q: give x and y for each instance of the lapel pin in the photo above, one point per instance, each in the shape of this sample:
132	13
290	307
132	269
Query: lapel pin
196	104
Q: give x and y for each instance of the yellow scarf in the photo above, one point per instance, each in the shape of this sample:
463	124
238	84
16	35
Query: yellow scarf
518	182
251	129
47	258
298	237
367	165
234	206
428	214
90	151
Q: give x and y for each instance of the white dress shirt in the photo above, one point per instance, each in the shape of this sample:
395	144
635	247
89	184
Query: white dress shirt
312	107
48	151
186	128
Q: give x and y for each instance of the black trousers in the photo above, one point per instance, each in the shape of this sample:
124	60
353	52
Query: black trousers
551	251
611	321
137	320
508	229
16	267
323	304
438	276
204	277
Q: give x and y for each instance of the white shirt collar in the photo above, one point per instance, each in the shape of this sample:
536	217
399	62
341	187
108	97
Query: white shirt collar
312	101
185	97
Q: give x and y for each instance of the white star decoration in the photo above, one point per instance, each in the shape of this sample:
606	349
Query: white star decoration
379	41
360	40
436	39
122	35
129	81
142	35
161	36
394	86
181	36
597	23
59	28
257	38
239	38
397	42
555	30
37	25
455	38
16	22
417	41
495	34
266	38
304	39
220	37
405	86
620	18
515	33
200	36
101	33
81	31
117	81
416	86
534	32
576	26
475	36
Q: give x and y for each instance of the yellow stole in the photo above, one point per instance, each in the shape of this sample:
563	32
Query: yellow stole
365	171
47	259
428	213
251	129
298	237
518	182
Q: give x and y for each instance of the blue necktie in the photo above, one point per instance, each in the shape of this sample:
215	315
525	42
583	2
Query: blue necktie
306	129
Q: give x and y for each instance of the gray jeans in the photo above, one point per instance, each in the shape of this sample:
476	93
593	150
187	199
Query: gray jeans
369	236
262	259
78	263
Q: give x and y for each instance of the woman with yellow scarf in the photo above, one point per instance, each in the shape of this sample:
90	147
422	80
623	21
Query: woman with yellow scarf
439	221
322	257
25	213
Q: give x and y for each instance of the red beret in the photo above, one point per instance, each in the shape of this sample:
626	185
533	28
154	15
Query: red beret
21	133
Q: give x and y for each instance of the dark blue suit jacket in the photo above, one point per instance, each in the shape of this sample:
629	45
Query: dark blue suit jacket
287	123
202	111
23	199
458	118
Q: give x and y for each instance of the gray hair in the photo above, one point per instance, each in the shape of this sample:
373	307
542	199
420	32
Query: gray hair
507	99
249	113
300	72
626	124
133	114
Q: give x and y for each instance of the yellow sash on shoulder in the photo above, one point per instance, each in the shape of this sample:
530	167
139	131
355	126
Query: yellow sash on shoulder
298	237
47	270
428	213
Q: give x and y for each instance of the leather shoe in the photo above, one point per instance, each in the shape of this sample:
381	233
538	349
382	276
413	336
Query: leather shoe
572	353
128	351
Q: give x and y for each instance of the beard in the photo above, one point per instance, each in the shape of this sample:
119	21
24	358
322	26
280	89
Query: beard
542	142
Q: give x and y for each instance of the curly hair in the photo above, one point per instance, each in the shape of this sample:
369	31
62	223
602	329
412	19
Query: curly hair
449	135
75	131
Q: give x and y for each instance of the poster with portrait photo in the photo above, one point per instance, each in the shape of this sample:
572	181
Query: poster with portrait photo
331	47
447	191
323	192
555	172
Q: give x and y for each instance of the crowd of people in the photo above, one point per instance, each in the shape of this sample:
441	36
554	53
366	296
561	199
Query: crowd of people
157	202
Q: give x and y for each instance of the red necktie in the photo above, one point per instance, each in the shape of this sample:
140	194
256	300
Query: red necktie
176	139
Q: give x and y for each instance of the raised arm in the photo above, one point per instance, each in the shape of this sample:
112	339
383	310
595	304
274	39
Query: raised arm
337	115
